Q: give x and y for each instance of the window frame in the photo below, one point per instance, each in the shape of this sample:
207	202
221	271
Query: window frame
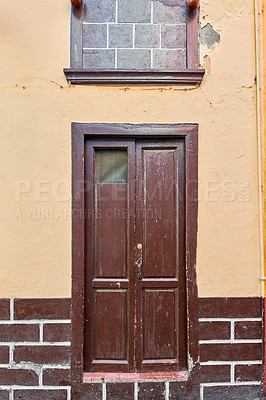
77	75
82	131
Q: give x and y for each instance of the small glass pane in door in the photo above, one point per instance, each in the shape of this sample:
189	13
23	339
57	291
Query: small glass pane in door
111	166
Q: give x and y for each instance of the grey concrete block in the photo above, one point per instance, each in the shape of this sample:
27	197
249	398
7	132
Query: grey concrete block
174	36
169	11
121	35
134	10
169	59
99	10
133	59
147	36
208	35
98	59
94	35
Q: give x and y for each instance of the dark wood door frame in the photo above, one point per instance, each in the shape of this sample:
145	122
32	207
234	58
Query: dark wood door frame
82	131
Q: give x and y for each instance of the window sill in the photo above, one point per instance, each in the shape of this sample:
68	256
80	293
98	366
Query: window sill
94	377
88	77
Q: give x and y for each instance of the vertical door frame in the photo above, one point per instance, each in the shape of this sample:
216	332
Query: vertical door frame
82	131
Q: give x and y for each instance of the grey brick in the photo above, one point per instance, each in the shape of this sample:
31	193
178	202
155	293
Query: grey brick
247	392
4	395
169	11
134	11
133	59
169	59
174	36
99	10
98	59
40	394
147	36
121	35
94	35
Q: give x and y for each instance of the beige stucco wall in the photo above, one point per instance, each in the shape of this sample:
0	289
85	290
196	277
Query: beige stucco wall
37	106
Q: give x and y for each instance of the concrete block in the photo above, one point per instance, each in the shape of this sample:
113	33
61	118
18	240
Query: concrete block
169	59
169	12
134	11
147	36
133	59
94	35
121	35
98	59
174	36
99	10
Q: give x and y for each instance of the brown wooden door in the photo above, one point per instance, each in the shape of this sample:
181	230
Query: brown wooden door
135	308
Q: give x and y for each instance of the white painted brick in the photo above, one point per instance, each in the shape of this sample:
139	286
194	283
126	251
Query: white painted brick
11	309
229	341
232	373
40	377
11	352
35	321
228	319
57	366
166	390
34	387
231	384
136	390
36	343
232	330
41	332
104	391
201	391
231	362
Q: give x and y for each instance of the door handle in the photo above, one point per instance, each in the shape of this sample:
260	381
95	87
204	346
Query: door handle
139	265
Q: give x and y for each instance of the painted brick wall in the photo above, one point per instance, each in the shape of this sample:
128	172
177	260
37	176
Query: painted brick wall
140	34
35	355
231	348
34	349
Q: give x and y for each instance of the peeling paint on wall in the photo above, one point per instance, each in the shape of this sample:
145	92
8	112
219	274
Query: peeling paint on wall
207	64
208	36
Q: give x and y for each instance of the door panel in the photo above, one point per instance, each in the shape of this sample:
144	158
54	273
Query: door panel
111	230
159	224
159	322
111	325
159	209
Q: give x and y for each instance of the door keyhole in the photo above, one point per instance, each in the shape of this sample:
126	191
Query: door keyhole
139	265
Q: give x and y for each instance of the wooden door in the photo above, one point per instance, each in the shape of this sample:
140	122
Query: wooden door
135	308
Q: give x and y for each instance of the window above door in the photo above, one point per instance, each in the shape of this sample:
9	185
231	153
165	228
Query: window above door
140	42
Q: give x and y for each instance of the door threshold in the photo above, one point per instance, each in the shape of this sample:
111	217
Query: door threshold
93	377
